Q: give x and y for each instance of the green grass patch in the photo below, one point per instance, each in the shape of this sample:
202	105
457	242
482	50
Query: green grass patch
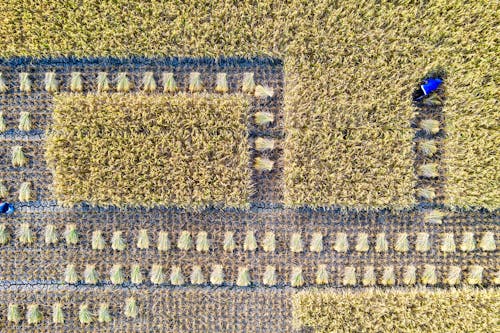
149	150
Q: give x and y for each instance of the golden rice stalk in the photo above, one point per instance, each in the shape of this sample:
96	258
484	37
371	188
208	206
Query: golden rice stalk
169	84
202	242
341	243
322	275
381	244
163	241
24	121
116	274
349	278
98	242
136	274
448	244
362	242
131	308
427	147
90	275
269	277
426	193
468	242
3	86
221	85
429	170
76	82
103	315
475	276
263	91
13	313
263	144
33	314
454	276
434	216
410	275
229	243
195	83
84	314
429	126
197	276
296	277
388	278
243	279
71	234
4	234
123	84
184	242
25	82
487	242
429	275
176	277
157	276
4	191
422	243
51	83
25	235
316	242
117	242
263	164
18	157
70	275
57	313
369	278
142	239
217	275
248	83
401	243
103	84
250	243
149	82
296	244
262	118
25	192
269	242
3	124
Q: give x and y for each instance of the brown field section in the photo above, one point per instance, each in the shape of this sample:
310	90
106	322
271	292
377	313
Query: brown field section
147	150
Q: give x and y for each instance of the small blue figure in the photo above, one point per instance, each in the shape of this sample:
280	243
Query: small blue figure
6	208
429	86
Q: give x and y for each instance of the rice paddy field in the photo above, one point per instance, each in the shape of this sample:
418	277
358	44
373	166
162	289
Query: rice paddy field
249	166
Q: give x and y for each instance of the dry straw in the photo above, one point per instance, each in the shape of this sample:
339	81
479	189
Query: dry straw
149	82
76	82
195	83
4	191
221	85
24	82
123	84
3	124
169	84
24	121
103	84
51	82
269	278
3	86
18	158
85	316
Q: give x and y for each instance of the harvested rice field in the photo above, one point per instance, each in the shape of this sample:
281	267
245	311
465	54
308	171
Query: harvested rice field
249	166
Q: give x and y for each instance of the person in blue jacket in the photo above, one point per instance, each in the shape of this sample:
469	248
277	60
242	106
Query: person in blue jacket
428	87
